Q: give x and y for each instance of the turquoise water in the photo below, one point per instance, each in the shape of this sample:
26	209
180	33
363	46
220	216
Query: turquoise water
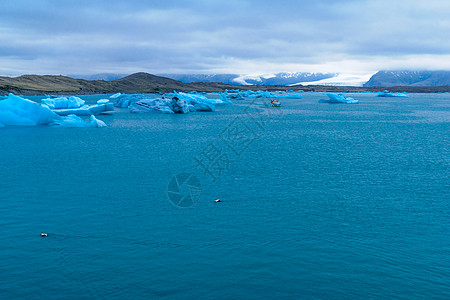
319	201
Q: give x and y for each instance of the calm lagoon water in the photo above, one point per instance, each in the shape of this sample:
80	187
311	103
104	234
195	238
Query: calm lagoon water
319	201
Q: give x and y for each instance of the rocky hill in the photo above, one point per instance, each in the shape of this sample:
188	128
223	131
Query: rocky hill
135	83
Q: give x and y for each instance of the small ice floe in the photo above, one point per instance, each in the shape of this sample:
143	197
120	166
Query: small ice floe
339	98
386	93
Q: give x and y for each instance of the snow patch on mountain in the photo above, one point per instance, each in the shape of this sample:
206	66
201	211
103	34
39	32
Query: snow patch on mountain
251	79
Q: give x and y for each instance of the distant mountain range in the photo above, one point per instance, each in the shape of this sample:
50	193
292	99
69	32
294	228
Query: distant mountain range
380	79
283	78
412	82
409	78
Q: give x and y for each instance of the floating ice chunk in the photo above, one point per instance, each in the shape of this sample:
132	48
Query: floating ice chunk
224	98
290	96
187	102
86	110
193	99
116	95
74	105
179	106
386	93
204	107
257	94
168	106
103	101
151	105
63	102
76	121
17	111
339	98
125	100
235	95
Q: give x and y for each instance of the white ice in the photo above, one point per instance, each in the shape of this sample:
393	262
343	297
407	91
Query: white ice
339	98
63	102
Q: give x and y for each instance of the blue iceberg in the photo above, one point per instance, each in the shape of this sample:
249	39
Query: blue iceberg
386	93
76	121
169	106
289	96
63	102
339	98
178	106
169	103
193	99
76	106
17	111
226	96
125	100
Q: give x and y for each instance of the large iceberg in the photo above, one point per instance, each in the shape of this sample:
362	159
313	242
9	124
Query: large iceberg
339	98
169	103
193	99
386	93
168	106
17	111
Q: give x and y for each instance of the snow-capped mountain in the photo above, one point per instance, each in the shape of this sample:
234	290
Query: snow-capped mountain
410	78
283	78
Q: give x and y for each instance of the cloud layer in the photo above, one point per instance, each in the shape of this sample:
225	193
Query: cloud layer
83	37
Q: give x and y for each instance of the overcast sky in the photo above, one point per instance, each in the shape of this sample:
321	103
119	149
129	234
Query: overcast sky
232	36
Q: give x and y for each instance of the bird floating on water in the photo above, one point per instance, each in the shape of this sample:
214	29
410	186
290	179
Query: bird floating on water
43	234
216	200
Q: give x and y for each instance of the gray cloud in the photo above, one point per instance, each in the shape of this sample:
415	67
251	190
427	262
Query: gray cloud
209	36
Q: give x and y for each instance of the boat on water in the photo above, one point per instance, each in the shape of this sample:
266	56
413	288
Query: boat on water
275	103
